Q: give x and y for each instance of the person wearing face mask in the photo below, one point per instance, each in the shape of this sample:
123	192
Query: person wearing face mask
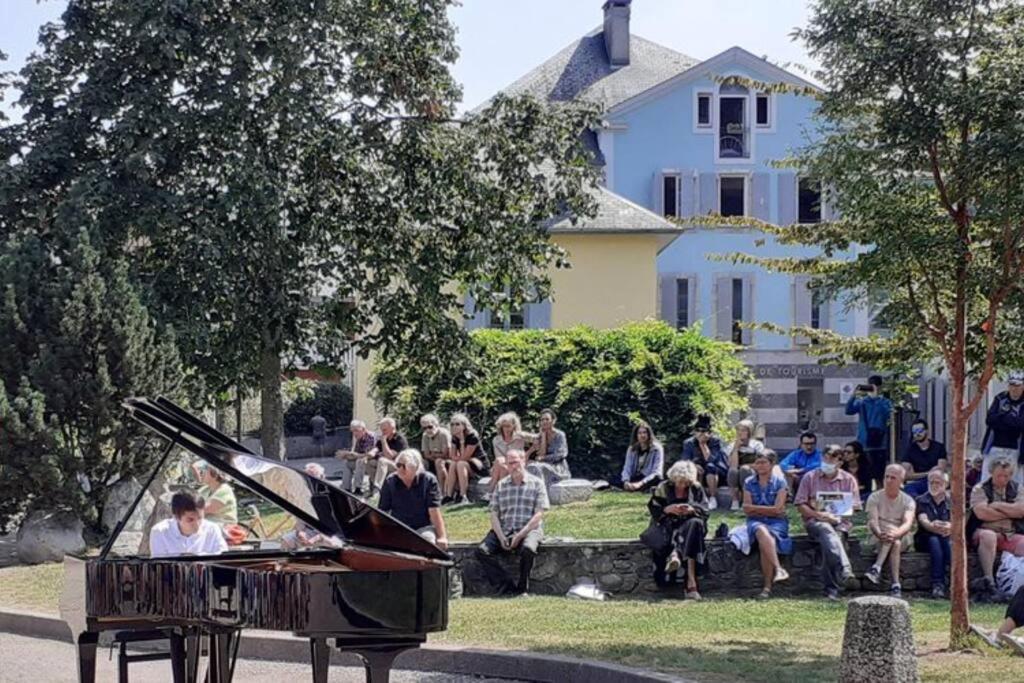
1005	427
922	455
933	529
828	529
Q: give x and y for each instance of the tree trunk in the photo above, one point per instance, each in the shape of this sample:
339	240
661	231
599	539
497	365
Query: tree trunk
271	404
958	617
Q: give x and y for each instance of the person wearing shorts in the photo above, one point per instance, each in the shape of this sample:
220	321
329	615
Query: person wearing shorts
997	517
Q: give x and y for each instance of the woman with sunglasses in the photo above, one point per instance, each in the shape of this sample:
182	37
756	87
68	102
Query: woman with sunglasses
466	459
855	461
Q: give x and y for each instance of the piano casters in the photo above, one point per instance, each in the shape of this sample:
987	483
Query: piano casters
87	642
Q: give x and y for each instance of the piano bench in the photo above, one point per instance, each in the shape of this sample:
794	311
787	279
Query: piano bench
123	638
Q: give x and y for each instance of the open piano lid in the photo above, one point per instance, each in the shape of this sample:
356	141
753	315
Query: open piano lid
330	510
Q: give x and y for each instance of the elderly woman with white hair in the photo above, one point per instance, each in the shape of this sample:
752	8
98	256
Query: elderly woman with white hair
679	513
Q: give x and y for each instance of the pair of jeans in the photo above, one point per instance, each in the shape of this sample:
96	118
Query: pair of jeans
835	563
487	554
939	550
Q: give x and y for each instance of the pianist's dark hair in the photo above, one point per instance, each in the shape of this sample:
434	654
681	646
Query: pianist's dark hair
186	501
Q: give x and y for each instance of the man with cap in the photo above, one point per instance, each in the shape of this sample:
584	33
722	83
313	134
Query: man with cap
1005	422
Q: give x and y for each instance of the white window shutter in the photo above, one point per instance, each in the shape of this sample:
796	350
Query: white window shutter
760	198
475	319
538	316
687	195
669	301
658	190
787	198
723	308
801	307
708	193
692	308
748	309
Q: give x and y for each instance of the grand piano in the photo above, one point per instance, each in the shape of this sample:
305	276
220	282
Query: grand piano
367	583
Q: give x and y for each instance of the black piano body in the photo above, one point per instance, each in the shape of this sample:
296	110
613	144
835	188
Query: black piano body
372	586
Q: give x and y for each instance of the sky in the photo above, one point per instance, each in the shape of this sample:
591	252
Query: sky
500	40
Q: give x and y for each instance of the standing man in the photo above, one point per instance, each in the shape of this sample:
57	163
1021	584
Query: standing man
922	455
517	515
1005	422
382	457
890	519
705	450
319	426
434	445
413	498
825	527
873	414
353	460
801	460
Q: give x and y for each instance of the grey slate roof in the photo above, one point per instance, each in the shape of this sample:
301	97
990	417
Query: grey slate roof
615	214
581	72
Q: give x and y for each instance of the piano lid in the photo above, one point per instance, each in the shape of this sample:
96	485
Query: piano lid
319	503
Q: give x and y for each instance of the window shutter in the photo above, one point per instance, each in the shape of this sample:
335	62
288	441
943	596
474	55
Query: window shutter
787	198
687	198
668	298
801	307
538	316
828	213
691	300
708	193
723	308
761	208
748	309
825	313
476	319
658	188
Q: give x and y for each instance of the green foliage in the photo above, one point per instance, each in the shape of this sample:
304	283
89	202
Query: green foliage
599	382
332	400
76	342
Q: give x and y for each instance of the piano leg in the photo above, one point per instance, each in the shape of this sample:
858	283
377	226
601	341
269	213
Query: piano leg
193	651
87	642
178	658
378	663
220	657
320	653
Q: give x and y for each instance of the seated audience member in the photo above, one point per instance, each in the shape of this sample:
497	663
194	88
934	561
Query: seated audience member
435	444
517	515
221	507
975	464
742	452
801	460
382	456
1014	619
353	460
922	455
825	526
412	496
552	463
705	451
997	517
1005	425
467	458
933	528
645	460
855	462
764	503
680	506
187	532
890	520
302	535
510	437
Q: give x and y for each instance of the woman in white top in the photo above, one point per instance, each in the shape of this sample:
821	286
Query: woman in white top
510	436
742	453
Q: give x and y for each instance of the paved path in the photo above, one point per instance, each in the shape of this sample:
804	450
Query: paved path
40	661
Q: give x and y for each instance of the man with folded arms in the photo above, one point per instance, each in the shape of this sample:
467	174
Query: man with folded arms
353	461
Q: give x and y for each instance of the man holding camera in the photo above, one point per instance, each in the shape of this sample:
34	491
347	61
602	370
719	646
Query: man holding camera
874	412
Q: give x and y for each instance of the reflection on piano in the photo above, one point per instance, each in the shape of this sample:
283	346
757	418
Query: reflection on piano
374	586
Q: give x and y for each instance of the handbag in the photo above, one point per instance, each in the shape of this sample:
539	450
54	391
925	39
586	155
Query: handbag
1010	577
656	537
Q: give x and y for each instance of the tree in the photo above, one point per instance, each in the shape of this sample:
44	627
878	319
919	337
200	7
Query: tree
920	152
76	342
292	173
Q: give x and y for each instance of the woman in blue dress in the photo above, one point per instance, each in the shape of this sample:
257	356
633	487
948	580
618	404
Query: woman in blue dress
764	503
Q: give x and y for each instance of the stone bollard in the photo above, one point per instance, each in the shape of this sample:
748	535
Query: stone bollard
878	643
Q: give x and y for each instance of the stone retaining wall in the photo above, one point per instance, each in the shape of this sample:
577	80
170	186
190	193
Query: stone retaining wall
624	568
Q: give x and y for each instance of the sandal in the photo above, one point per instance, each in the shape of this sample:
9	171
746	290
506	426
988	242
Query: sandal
673	564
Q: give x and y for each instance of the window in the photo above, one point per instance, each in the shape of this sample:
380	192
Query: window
511	320
763	110
704	110
736	332
732	196
682	303
809	201
670	195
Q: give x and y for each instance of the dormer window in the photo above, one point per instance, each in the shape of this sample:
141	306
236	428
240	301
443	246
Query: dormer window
763	107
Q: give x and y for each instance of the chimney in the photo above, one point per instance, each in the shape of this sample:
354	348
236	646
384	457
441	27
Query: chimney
616	32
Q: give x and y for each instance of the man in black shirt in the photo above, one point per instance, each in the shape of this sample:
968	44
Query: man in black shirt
922	455
412	496
1005	422
382	458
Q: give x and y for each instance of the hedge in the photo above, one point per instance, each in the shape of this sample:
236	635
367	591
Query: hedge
599	382
332	400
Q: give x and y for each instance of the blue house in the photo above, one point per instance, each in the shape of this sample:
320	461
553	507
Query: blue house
680	142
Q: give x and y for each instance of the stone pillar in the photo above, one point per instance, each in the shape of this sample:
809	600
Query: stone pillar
878	643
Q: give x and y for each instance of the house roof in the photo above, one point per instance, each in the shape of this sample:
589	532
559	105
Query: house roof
582	72
615	214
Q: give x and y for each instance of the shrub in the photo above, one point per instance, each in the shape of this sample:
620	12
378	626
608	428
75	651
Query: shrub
332	400
598	381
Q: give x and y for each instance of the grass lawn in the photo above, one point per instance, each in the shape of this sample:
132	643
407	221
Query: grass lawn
608	514
715	640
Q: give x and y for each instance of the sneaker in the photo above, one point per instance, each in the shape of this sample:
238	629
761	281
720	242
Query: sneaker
764	595
896	590
989	637
447	500
874	575
832	594
850	581
735	507
781	575
712	503
693	595
1013	642
673	564
938	591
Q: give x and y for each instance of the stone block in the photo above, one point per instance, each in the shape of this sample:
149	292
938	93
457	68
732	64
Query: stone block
479	489
878	642
570	491
48	537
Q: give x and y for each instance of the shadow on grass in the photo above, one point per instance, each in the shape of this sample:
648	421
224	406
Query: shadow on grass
717	661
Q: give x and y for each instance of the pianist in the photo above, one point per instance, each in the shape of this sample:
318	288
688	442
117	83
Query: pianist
187	532
413	497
